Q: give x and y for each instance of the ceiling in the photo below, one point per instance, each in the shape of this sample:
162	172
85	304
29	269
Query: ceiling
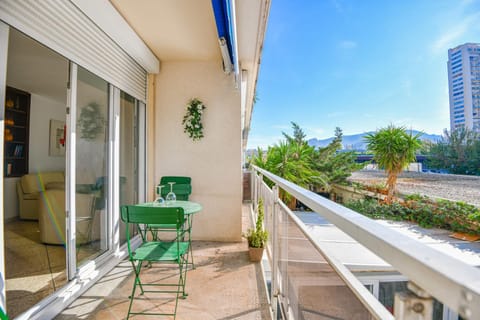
186	30
35	68
173	29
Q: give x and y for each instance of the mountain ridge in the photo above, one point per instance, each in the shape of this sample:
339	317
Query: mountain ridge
356	141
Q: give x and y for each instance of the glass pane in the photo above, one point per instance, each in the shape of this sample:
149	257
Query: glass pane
128	156
387	290
34	206
91	166
311	289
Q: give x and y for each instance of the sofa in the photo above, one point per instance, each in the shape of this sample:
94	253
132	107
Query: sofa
52	220
29	189
41	196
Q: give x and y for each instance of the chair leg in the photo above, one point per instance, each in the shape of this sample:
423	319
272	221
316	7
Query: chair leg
142	232
183	264
136	270
191	255
190	249
137	275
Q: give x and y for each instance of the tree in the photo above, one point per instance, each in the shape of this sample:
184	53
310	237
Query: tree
337	165
298	135
457	151
393	149
293	159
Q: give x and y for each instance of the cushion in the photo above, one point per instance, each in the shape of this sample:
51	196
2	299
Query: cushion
34	182
60	185
31	196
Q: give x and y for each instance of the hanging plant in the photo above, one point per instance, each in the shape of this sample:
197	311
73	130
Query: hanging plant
91	121
192	121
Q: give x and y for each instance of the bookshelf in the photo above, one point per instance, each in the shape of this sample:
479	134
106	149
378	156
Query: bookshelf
17	119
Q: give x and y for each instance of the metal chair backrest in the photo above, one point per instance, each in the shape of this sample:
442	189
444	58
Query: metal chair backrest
182	187
153	215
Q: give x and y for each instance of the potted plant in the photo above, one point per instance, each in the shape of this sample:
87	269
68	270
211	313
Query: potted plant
257	237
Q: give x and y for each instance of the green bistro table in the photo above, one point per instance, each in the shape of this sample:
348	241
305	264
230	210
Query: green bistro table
190	208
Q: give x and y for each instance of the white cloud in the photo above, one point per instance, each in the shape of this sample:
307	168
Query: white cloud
449	39
407	87
281	126
348	44
262	141
443	111
467	2
337	114
338	5
314	132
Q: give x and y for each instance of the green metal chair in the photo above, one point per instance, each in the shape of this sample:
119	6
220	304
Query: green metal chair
156	252
3	315
182	189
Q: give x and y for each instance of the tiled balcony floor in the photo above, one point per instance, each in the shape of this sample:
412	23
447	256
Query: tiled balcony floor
224	285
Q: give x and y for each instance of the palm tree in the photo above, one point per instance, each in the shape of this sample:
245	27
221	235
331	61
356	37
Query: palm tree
294	160
393	149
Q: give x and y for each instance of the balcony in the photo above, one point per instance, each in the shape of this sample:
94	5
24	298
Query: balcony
224	285
302	277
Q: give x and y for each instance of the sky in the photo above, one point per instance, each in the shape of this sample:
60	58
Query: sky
358	65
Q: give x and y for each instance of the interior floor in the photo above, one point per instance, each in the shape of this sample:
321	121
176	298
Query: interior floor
33	270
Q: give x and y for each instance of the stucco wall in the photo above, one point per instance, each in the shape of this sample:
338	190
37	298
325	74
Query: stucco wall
214	163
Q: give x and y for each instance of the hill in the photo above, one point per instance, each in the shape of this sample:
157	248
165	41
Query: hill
356	141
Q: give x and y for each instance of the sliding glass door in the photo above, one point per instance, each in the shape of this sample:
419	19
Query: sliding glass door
128	159
91	167
86	158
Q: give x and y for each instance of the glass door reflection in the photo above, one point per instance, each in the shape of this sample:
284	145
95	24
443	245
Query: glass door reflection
91	166
128	156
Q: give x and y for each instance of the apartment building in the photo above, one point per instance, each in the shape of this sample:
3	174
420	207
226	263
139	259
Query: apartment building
464	86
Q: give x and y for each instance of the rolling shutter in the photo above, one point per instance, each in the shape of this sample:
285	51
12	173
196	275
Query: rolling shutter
64	28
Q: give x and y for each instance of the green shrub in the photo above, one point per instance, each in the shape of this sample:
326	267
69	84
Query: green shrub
258	237
455	216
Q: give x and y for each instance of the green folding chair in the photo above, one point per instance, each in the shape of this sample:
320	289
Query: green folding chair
182	189
156	252
3	315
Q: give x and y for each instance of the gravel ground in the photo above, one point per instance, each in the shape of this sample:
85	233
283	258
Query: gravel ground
435	185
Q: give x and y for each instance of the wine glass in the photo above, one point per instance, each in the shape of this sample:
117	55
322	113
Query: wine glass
171	197
159	200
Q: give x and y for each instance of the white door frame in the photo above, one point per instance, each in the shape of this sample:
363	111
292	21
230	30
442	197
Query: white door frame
70	213
4	33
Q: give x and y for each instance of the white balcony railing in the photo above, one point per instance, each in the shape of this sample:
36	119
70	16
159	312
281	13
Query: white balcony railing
308	282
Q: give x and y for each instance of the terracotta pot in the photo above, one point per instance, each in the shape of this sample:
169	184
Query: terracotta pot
255	254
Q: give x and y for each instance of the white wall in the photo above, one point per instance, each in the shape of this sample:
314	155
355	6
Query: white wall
213	163
41	111
10	198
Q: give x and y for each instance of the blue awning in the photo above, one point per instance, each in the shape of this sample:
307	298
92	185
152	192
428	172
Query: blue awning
223	19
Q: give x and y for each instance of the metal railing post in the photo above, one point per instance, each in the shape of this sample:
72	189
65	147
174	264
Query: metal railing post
259	189
415	304
255	190
275	253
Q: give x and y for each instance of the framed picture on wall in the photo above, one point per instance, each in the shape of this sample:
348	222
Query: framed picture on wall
57	131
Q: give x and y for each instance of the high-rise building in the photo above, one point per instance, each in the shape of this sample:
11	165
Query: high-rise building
464	86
